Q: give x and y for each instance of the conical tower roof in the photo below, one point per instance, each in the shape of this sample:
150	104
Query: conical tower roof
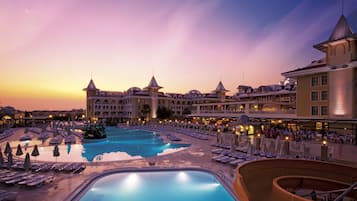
153	84
220	87
341	30
91	86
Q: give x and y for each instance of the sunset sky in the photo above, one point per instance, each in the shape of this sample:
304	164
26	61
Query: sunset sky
48	49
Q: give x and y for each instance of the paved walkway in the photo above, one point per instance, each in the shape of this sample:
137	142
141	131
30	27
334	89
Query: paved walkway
197	155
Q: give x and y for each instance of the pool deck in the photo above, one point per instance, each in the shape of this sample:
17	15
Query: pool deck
198	155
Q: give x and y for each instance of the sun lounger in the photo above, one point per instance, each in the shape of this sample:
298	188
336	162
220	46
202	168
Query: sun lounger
32	179
41	181
16	180
44	167
15	176
227	160
222	158
7	175
236	162
79	169
217	151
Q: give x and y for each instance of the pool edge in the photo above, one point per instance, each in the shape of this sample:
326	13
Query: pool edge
83	188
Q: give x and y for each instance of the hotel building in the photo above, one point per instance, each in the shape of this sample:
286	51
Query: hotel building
136	103
327	88
321	95
324	97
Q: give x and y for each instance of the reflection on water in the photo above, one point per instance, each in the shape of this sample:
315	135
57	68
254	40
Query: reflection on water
120	144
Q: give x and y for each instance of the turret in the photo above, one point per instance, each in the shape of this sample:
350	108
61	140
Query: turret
91	92
340	48
221	92
153	89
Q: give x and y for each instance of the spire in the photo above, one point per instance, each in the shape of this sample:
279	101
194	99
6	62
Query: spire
341	30
91	86
220	87
153	84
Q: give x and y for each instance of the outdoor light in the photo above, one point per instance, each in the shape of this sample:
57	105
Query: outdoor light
324	142
286	138
258	135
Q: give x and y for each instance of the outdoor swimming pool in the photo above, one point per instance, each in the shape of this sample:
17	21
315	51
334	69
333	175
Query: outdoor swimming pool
173	185
120	144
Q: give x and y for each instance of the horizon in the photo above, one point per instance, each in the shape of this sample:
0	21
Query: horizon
50	49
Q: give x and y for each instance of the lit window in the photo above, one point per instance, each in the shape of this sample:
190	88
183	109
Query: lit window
324	80
314	110
324	110
324	95
314	81
314	96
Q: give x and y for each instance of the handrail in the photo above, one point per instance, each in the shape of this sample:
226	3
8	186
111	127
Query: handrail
348	190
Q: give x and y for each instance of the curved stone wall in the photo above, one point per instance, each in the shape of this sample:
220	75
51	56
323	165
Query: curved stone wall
254	180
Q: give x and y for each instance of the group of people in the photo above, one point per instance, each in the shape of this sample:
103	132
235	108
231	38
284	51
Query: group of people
308	135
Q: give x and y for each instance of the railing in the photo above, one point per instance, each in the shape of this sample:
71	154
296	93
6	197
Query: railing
348	190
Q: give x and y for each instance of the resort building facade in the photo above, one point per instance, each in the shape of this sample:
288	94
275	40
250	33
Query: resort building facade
321	95
144	104
324	96
327	88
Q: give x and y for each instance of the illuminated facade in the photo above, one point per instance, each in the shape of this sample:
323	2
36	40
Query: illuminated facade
324	97
136	103
327	88
263	102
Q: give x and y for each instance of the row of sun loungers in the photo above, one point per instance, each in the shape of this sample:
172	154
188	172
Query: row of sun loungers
187	132
25	179
232	158
7	133
172	137
56	140
60	167
193	134
45	167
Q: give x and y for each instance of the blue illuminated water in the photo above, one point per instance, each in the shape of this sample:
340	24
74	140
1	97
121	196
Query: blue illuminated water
158	186
133	142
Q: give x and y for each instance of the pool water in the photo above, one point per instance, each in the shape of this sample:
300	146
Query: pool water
133	142
187	185
120	144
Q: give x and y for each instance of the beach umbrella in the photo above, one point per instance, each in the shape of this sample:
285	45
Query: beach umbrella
56	152
35	151
7	148
27	163
9	160
68	148
19	150
1	158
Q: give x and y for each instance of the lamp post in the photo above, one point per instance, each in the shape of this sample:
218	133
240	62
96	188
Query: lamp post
258	141
324	151
218	136
286	146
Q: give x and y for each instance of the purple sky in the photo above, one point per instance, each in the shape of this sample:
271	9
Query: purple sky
48	49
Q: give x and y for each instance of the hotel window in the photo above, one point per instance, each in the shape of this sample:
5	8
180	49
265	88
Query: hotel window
315	81
314	110
314	96
324	110
324	79
324	95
